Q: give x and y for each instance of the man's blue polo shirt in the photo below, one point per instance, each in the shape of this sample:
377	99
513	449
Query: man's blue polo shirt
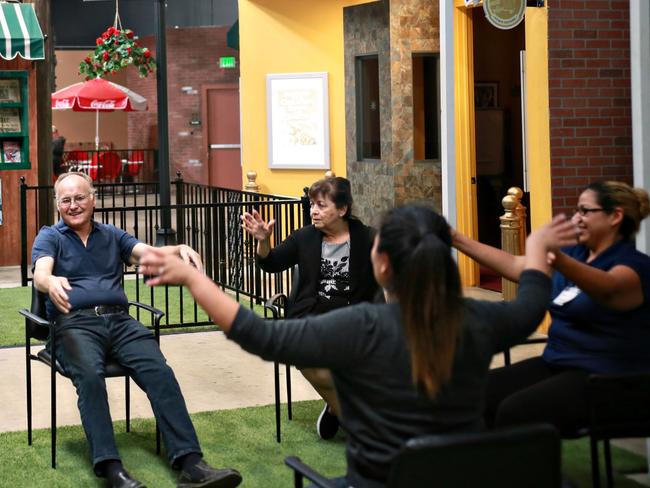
94	271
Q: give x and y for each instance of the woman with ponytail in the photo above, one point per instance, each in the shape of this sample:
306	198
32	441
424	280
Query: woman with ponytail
412	366
600	311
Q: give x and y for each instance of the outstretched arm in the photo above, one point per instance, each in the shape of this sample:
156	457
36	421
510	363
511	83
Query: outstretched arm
515	320
55	286
618	288
186	253
168	269
506	264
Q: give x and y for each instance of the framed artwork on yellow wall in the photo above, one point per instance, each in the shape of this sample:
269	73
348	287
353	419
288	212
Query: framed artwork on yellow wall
298	121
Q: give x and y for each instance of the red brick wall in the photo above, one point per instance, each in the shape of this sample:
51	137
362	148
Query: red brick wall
589	95
192	60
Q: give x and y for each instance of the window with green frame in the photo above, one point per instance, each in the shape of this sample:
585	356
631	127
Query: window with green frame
14	120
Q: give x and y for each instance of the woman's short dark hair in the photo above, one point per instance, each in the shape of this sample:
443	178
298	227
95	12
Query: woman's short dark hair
426	281
337	189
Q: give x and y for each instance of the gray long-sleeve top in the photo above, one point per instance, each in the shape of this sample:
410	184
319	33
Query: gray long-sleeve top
380	407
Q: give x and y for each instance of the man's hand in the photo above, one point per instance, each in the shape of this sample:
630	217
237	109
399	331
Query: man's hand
57	287
166	269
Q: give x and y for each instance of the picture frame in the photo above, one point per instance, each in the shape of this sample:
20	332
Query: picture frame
486	94
297	106
10	120
9	90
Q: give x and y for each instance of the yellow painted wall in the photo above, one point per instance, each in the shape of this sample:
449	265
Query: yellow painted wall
289	36
537	108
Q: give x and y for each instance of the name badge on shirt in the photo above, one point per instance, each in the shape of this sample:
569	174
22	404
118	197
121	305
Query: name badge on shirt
568	294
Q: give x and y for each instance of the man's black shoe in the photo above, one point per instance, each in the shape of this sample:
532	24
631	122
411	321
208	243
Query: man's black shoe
327	424
123	480
203	475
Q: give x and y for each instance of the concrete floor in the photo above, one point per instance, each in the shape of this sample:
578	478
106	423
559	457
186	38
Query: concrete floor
214	374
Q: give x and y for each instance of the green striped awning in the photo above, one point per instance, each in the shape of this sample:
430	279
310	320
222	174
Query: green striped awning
20	33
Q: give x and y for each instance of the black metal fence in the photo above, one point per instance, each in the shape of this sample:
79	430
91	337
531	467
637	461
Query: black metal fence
206	218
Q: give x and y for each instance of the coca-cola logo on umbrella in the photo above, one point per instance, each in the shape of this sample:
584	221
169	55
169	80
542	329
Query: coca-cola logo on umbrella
102	104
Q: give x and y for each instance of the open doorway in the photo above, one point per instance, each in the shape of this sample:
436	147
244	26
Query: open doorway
498	124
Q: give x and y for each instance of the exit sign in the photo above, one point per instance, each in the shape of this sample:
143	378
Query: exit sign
227	62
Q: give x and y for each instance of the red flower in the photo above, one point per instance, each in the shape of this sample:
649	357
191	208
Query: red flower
147	54
87	60
105	35
129	34
105	56
128	50
99	41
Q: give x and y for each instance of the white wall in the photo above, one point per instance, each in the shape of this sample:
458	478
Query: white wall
640	64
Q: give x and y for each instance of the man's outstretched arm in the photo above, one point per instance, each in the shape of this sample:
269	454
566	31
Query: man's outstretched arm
55	286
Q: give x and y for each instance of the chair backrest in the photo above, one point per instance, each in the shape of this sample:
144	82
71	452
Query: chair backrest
620	405
134	163
111	165
513	457
37	307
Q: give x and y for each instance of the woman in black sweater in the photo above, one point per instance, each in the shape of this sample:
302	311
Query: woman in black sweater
415	365
333	259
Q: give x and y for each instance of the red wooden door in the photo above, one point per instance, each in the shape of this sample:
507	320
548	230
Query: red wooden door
224	148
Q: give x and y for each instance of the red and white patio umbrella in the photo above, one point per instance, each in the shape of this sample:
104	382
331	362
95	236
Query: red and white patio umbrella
98	95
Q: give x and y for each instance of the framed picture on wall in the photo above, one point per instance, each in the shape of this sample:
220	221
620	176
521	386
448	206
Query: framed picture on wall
10	120
298	121
486	94
10	90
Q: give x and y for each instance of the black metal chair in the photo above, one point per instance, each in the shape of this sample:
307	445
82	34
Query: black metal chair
527	455
277	306
38	328
619	407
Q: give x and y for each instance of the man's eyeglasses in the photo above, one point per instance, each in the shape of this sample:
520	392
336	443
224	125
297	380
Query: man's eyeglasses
78	199
586	210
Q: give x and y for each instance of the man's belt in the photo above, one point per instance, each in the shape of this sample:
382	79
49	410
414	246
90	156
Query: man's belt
103	309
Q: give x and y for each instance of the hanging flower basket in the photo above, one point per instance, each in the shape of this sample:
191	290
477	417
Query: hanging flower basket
116	49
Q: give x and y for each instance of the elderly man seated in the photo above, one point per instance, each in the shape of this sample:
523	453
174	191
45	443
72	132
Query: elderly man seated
78	263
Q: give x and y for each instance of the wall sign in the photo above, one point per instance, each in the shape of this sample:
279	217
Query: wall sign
298	121
504	14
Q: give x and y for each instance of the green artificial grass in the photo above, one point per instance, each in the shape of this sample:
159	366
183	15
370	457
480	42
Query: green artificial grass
576	464
12	324
241	438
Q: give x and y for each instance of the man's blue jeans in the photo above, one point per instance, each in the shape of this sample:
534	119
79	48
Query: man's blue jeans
83	342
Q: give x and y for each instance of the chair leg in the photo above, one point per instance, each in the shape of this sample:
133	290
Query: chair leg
288	375
595	469
53	406
276	385
297	479
127	397
28	379
157	439
608	464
